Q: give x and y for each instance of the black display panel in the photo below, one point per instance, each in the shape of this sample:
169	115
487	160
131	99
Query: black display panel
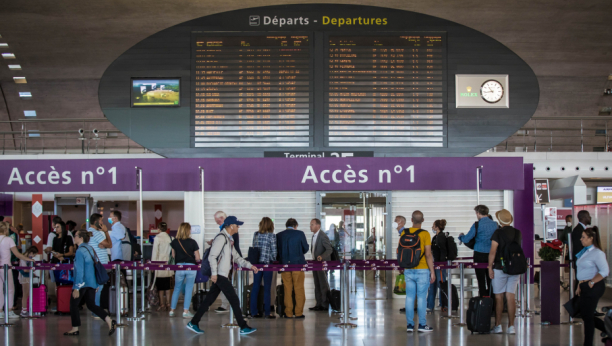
386	91
252	91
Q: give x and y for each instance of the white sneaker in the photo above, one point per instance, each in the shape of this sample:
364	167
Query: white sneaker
171	314
13	315
497	330
187	315
511	330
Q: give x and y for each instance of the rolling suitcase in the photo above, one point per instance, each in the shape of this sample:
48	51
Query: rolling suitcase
246	300
39	300
280	300
444	295
479	315
198	298
335	299
63	299
124	303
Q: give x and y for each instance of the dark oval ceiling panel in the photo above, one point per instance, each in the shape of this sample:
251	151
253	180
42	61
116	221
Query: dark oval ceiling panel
310	78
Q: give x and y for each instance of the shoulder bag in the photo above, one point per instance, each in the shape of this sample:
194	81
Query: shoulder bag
470	244
101	274
254	251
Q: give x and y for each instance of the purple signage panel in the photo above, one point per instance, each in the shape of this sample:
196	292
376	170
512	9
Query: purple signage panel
262	174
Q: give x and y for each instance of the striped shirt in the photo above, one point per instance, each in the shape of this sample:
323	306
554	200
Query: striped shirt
98	237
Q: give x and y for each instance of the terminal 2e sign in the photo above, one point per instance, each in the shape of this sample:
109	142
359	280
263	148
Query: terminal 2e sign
261	174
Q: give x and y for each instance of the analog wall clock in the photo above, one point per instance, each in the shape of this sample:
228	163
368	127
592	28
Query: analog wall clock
492	91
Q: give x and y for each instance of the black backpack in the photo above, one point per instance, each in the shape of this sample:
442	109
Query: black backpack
451	248
513	258
409	252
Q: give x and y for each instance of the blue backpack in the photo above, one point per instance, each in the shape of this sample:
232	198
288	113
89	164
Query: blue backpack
205	269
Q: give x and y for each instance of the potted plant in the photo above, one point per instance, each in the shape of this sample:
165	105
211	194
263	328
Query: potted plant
548	253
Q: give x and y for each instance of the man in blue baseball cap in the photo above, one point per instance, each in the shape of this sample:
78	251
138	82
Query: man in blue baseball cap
222	257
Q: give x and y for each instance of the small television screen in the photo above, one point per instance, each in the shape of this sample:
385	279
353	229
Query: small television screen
148	92
604	194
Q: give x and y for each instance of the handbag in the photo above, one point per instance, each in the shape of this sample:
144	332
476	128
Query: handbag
152	293
573	306
101	274
470	244
254	252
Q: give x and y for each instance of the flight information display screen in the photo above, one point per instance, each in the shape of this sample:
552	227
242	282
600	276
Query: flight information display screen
262	90
252	91
384	91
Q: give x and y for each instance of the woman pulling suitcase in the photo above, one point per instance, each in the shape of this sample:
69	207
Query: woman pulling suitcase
85	285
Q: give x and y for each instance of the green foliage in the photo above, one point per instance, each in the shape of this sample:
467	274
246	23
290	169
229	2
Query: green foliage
549	254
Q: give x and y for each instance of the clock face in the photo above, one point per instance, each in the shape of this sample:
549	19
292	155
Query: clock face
492	91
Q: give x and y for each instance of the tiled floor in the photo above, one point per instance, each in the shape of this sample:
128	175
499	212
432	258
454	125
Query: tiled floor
379	323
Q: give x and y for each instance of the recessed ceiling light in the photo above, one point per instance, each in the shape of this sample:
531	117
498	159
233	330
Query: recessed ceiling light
20	80
33	133
3	44
29	113
25	94
14	67
8	55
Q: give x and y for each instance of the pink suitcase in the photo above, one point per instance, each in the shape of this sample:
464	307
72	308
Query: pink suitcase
39	299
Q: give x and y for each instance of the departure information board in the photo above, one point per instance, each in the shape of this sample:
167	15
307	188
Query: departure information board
258	90
252	91
384	91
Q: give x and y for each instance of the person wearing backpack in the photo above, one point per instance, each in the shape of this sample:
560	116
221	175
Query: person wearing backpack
438	249
506	264
221	257
481	231
415	257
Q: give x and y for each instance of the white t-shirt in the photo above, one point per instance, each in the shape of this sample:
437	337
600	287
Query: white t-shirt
6	243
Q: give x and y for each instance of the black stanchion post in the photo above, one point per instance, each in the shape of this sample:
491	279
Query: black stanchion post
118	296
6	299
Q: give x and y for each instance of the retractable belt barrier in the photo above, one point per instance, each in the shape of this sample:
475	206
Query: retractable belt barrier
344	265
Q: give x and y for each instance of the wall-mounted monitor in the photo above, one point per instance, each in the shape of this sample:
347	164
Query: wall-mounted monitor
604	194
156	92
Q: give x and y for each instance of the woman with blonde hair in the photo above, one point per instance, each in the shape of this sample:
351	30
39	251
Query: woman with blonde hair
8	247
265	241
163	278
185	252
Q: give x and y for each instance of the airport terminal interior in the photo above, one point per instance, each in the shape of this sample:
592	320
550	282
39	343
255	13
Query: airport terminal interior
345	173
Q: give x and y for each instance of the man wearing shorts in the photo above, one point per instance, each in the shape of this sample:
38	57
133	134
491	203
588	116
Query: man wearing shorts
501	282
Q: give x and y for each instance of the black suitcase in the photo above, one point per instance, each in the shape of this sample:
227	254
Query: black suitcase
479	315
335	300
198	299
246	300
280	300
444	295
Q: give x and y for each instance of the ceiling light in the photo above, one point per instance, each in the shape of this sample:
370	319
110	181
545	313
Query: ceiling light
14	67
29	113
33	133
8	55
3	44
20	80
25	94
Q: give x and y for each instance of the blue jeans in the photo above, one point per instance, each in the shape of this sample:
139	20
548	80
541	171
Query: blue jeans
434	288
267	279
417	284
183	283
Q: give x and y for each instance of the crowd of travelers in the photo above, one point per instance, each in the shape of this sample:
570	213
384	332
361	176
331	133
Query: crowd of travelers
417	251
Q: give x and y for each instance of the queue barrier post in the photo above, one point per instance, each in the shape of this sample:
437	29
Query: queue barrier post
231	324
31	292
461	297
519	298
118	296
143	306
345	298
449	291
135	316
6	299
528	312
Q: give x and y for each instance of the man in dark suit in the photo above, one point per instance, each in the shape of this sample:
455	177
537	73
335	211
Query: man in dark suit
291	247
321	250
584	220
